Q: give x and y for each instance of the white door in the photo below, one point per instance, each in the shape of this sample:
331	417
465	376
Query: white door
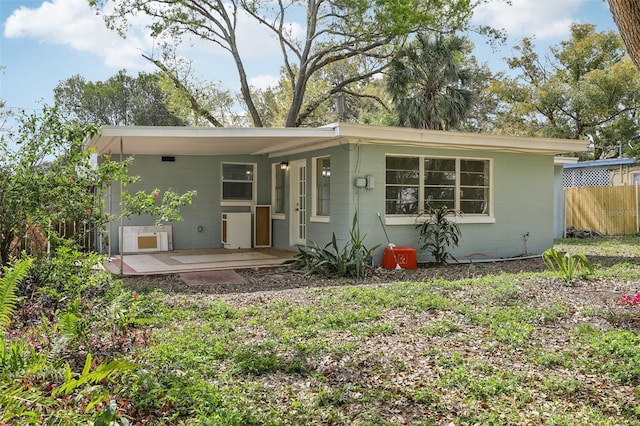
298	202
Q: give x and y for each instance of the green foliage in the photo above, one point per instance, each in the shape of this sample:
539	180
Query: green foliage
68	274
585	86
51	178
354	260
87	376
615	353
165	211
429	84
365	32
566	265
437	233
120	100
9	281
14	400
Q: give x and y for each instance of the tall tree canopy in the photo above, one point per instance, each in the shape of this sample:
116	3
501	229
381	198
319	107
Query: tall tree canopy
587	86
334	31
120	100
428	83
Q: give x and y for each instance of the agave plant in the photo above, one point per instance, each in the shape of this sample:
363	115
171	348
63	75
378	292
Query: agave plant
353	260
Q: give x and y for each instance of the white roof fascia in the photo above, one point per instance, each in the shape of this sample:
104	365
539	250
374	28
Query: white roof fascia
560	161
284	141
212	132
446	139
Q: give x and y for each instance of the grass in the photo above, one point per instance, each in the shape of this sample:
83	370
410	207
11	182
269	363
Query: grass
508	349
502	349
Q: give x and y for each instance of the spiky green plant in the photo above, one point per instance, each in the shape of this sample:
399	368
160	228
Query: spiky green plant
567	265
437	232
353	260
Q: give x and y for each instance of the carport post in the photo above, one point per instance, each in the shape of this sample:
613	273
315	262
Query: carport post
121	236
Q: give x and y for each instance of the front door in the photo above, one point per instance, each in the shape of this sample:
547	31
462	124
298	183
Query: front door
298	202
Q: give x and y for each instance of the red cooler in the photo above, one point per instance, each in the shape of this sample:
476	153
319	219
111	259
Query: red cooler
406	257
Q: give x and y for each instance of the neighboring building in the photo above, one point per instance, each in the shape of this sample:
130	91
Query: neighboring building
310	182
610	172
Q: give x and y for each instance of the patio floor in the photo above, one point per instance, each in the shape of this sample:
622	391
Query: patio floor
180	261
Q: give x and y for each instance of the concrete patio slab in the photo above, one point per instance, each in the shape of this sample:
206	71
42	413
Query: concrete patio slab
183	261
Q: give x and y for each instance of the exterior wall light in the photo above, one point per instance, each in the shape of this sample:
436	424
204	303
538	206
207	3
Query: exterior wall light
284	165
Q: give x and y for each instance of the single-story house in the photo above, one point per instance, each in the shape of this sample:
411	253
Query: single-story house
283	187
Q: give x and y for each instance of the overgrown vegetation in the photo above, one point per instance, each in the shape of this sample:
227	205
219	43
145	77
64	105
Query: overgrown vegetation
354	260
438	233
442	350
42	346
47	177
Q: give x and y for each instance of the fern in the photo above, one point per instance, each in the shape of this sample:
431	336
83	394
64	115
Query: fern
102	372
13	402
8	285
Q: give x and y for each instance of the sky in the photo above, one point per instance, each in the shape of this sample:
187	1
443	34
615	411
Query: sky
45	42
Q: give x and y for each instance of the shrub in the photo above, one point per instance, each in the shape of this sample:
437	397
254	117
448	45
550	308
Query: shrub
566	265
438	232
354	260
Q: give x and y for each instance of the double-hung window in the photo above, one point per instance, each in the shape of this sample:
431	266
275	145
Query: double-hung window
415	182
238	183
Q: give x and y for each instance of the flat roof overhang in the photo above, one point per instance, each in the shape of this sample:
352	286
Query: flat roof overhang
144	140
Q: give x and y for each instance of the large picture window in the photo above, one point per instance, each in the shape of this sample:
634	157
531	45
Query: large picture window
412	183
238	182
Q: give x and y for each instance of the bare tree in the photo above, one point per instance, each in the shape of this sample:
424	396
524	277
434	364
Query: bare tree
335	31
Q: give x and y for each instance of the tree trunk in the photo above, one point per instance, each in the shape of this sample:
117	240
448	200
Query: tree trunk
626	14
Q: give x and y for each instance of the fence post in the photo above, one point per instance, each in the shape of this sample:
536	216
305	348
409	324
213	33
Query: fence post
637	216
564	213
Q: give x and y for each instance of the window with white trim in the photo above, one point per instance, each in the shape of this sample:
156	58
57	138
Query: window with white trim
278	174
413	182
321	186
238	183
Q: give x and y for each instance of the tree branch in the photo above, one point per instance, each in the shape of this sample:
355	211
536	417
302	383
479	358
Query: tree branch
195	105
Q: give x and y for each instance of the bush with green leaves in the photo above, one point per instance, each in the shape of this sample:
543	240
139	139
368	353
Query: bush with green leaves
567	265
48	176
438	233
354	260
68	273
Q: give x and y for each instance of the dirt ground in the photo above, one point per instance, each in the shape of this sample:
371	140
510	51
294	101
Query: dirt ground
282	278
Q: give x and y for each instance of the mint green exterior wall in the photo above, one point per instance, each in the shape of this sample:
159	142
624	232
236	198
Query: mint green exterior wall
523	203
200	173
523	191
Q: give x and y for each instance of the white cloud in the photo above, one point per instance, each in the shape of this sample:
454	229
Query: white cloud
264	81
544	19
72	23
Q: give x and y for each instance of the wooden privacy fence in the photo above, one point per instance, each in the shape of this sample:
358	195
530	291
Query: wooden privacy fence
611	210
